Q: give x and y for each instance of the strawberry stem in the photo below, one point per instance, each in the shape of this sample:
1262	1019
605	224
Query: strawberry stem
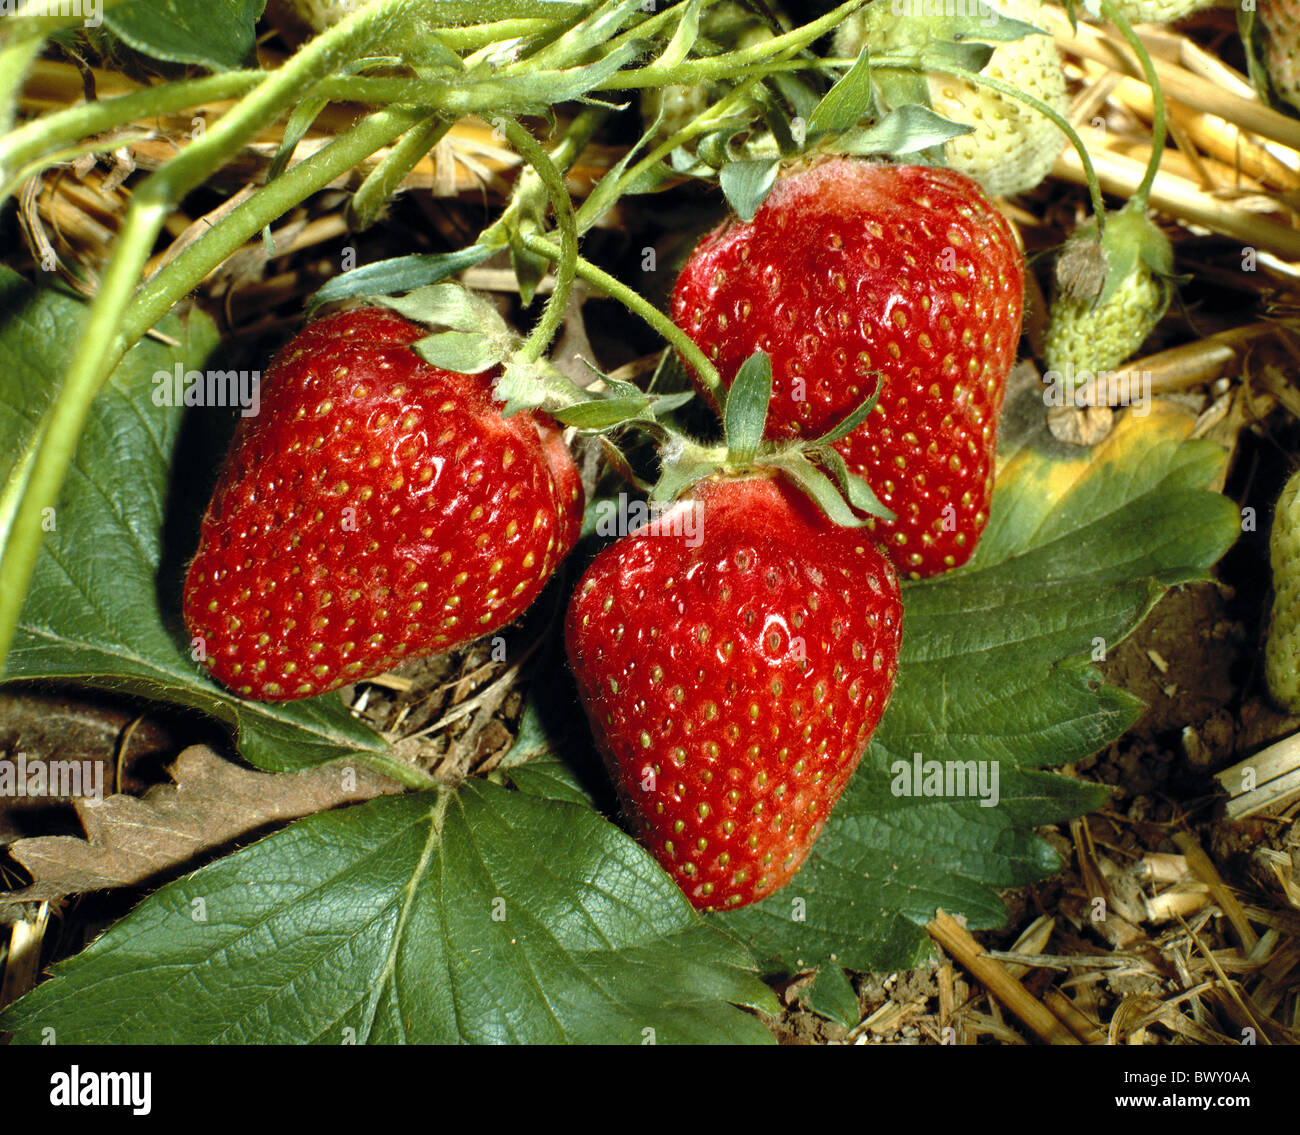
382	181
530	192
695	358
565	221
732	63
45	135
1158	125
181	275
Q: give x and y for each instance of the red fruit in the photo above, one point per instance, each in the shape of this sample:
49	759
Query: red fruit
375	510
852	266
732	687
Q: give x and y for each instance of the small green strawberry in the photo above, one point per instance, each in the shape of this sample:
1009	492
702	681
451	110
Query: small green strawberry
1110	293
1013	146
1282	653
1279	43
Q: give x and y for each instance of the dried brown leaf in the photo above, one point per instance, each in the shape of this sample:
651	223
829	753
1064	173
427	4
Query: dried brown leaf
130	838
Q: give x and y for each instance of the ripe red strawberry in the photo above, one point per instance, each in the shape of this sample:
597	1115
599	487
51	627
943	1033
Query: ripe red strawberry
853	266
732	686
376	509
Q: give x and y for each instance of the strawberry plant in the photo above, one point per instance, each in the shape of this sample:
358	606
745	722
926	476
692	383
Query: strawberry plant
874	567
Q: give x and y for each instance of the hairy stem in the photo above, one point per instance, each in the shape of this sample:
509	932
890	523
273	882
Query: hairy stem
553	180
1158	125
191	267
383	180
615	289
52	131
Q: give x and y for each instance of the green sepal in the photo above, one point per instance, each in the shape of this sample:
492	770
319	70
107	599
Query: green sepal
684	463
747	184
905	130
847	103
818	487
399	274
745	413
855	419
860	495
463	352
536	385
448	305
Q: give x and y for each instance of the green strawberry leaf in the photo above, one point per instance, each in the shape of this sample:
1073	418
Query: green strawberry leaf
996	669
846	104
464	352
218	34
942	54
903	131
988	26
746	410
746	184
533	764
103	607
400	274
480	915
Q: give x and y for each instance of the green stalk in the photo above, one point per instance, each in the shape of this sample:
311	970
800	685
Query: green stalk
62	127
529	191
102	341
188	270
15	59
601	200
1158	125
562	203
383	180
477	36
615	289
727	65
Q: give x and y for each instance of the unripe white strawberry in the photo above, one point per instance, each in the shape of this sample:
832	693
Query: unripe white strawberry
1282	651
1160	11
1013	146
314	14
1109	294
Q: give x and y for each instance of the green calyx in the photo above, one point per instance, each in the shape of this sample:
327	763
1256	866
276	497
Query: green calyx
813	466
1110	293
1092	268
